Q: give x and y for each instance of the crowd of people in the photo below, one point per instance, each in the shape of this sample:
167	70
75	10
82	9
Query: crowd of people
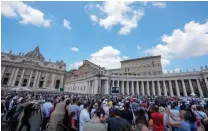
61	111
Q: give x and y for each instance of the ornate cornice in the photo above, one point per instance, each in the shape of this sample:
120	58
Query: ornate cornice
34	67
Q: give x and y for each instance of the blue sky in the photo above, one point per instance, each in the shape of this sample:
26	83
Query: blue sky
107	32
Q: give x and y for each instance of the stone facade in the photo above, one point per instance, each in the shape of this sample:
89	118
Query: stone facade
137	76
31	70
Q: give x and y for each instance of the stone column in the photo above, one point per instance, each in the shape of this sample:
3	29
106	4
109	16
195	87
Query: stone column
177	89
61	85
89	87
206	82
184	88
153	88
127	87
113	83
164	88
107	86
171	88
191	86
35	80
38	80
148	89
122	87
200	89
11	77
96	86
132	87
45	80
2	71
118	84
15	77
22	75
30	78
158	88
143	88
137	87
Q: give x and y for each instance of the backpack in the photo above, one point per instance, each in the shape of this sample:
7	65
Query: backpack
135	107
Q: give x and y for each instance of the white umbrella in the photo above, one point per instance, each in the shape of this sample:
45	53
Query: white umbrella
193	94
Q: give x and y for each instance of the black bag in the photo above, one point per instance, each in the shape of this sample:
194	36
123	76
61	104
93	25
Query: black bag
204	123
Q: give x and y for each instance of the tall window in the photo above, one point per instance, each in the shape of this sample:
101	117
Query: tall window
153	63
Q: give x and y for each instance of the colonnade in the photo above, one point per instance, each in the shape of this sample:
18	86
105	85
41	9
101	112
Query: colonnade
168	87
156	87
37	78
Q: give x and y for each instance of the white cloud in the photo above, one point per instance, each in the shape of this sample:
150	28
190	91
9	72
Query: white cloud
145	2
28	15
66	24
190	42
139	47
108	57
94	18
76	65
159	4
119	13
74	49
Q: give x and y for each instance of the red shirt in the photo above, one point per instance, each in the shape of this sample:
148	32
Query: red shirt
73	123
158	124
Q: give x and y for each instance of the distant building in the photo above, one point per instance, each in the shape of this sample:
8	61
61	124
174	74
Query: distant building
31	70
136	76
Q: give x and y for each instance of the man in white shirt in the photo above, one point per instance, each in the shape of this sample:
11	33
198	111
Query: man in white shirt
84	116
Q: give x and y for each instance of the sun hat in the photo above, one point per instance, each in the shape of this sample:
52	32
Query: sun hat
95	105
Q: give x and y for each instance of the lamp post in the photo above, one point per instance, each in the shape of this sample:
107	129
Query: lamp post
98	74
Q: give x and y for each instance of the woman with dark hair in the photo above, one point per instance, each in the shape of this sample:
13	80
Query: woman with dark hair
141	121
157	117
66	115
54	106
200	116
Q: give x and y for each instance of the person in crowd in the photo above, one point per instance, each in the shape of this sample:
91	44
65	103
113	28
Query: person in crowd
95	106
135	107
46	110
174	115
127	113
75	108
117	123
94	124
157	117
72	125
27	114
106	108
112	109
54	106
200	116
66	115
141	124
186	123
84	116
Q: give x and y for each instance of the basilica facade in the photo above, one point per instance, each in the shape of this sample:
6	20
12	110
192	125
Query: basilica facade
31	70
136	76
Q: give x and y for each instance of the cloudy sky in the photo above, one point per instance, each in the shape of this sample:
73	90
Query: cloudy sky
108	32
